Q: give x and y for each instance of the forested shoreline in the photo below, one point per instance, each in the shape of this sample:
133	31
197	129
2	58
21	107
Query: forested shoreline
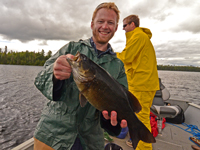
39	58
24	58
178	68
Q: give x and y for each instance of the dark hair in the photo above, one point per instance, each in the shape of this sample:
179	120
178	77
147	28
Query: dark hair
133	18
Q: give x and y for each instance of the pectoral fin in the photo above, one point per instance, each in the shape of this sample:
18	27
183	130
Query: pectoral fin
82	100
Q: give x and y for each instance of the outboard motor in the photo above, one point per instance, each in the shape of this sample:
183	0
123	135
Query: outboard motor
162	109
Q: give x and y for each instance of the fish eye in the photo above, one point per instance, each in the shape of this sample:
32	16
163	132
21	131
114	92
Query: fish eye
84	58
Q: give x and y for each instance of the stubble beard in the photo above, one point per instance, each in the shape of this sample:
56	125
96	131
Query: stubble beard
100	40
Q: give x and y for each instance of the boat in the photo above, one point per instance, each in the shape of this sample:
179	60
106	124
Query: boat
173	136
27	145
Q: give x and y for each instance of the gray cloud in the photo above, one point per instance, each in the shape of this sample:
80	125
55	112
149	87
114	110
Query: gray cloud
178	53
70	20
190	25
48	20
152	9
191	21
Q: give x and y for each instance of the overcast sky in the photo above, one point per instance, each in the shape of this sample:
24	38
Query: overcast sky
49	24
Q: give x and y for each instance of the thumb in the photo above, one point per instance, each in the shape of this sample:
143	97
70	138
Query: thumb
70	56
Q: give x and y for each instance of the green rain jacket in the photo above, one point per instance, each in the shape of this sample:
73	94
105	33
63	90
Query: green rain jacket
64	120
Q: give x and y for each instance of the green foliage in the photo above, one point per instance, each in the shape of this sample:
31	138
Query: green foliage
24	58
178	68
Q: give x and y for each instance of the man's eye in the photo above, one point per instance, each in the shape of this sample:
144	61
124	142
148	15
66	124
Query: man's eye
111	23
100	21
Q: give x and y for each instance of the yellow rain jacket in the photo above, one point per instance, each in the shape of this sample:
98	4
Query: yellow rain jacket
140	61
141	69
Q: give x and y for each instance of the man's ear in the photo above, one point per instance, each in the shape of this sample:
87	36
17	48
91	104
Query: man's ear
92	24
133	24
116	28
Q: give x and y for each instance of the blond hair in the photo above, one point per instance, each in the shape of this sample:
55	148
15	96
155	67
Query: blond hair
133	18
109	5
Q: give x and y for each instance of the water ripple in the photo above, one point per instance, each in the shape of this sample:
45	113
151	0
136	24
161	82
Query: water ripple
21	103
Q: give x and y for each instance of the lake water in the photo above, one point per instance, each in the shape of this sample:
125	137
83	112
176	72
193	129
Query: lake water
21	103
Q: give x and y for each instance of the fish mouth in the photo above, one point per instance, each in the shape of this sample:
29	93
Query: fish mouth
81	72
76	59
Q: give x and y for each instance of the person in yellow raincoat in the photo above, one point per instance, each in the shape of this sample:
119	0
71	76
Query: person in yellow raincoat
141	69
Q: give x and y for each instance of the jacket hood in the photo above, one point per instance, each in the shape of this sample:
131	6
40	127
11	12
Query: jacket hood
147	31
137	29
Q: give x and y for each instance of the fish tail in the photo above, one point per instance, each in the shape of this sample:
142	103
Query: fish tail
140	132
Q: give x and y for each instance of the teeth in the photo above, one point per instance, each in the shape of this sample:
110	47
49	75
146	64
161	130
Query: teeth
76	56
104	33
78	59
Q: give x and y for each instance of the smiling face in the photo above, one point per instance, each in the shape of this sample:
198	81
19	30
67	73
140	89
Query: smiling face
104	25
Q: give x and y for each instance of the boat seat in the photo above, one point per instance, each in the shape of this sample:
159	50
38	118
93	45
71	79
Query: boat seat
161	95
160	109
165	111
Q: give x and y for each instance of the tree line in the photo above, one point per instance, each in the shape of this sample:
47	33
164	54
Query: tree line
24	58
39	58
178	68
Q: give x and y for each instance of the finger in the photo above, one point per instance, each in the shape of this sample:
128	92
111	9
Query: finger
62	64
70	56
62	72
123	123
105	114
61	61
62	69
113	118
61	75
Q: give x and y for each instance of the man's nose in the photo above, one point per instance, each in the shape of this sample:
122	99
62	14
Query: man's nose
105	25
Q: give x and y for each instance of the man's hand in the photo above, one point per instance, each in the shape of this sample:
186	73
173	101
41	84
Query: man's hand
113	118
62	69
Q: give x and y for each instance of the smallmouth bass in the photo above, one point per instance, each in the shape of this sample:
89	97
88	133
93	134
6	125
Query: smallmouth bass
103	92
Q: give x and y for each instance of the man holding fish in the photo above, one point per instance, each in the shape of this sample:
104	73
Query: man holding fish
69	124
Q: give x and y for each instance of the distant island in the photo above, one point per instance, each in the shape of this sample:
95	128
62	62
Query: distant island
24	58
178	68
39	58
